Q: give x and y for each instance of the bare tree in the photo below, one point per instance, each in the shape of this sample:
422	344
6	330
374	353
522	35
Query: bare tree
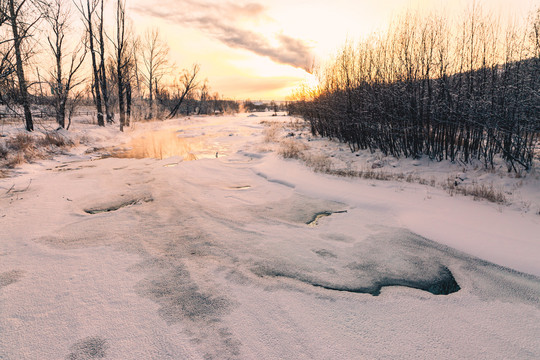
6	60
14	13
535	33
136	73
123	59
63	79
187	83
203	98
73	102
420	89
155	59
87	12
6	53
5	46
100	38
3	13
130	77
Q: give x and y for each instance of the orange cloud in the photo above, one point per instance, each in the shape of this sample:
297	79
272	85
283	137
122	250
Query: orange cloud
221	21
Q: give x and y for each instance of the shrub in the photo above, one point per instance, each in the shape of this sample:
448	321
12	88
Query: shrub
24	148
318	163
478	191
482	191
3	152
15	159
271	132
54	139
297	124
291	149
21	142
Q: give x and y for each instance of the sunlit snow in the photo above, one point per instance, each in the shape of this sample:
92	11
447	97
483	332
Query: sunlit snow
130	253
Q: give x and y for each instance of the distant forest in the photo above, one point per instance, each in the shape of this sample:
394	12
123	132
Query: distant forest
56	55
451	91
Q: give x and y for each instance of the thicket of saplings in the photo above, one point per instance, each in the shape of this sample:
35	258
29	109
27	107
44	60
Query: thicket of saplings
429	87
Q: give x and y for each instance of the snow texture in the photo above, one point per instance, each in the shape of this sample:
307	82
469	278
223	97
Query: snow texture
244	255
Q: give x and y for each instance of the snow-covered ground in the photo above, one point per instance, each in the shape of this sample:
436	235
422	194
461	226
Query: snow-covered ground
245	255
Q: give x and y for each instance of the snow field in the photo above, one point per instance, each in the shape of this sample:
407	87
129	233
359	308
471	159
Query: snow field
214	259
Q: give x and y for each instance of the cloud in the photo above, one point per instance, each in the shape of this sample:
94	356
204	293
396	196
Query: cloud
221	20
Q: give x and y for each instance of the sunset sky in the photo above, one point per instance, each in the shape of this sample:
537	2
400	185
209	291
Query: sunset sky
260	49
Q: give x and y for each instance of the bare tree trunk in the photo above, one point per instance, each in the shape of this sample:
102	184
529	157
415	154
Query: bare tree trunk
122	60
103	73
128	103
87	18
40	82
23	87
154	55
188	81
61	83
151	95
121	104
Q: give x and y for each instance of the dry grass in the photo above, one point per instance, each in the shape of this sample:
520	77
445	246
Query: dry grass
297	124
20	149
477	191
3	152
21	142
275	128
376	175
271	132
294	149
344	172
17	159
54	139
482	191
24	148
367	173
290	149
318	163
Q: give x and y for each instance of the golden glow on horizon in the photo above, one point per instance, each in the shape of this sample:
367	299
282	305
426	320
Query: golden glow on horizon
311	81
237	72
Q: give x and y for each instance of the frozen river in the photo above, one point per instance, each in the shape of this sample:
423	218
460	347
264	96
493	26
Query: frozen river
243	255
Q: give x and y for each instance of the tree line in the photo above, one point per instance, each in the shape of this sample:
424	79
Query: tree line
457	91
123	74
